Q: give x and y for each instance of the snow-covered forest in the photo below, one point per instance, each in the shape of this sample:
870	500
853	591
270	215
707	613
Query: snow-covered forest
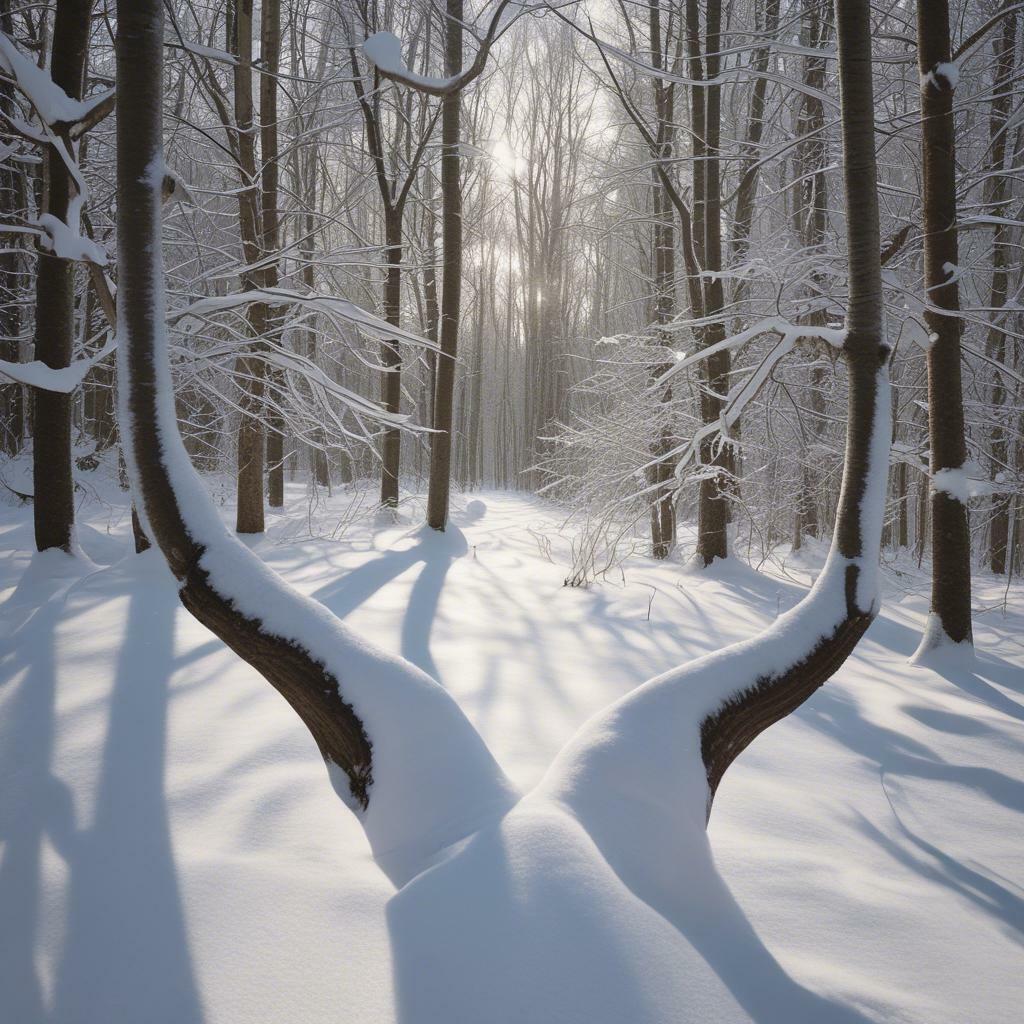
511	512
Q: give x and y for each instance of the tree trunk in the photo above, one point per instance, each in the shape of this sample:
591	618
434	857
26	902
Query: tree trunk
746	193
270	50
811	161
950	618
728	731
451	283
12	268
713	501
660	475
426	802
53	507
656	758
139	141
391	380
995	345
249	368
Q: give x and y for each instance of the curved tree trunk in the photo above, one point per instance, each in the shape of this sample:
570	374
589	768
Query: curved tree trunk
661	752
399	751
727	732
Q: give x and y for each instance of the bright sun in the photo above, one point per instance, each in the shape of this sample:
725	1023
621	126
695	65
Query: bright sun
507	162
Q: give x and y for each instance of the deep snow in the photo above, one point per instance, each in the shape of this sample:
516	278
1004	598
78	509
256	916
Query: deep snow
171	849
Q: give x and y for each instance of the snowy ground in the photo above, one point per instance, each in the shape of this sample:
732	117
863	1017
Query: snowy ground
171	850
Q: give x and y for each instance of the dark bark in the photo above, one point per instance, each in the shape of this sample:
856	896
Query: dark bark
951	541
746	194
661	474
811	160
12	275
393	196
53	507
996	342
391	381
728	731
270	52
705	113
249	367
433	309
304	683
451	282
138	533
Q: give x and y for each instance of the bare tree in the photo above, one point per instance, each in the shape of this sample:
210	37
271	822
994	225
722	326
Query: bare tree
996	344
251	370
394	185
270	66
362	707
55	303
450	91
12	260
950	618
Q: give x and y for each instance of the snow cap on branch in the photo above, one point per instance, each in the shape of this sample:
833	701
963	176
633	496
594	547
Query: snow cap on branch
51	102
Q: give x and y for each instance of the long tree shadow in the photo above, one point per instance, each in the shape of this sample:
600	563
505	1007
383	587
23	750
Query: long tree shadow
125	943
436	551
970	677
995	899
720	931
516	921
33	803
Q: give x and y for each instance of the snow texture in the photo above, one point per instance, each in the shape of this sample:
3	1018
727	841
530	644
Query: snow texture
38	375
208	52
169	840
948	72
384	51
62	241
50	101
789	335
327	304
965	482
434	780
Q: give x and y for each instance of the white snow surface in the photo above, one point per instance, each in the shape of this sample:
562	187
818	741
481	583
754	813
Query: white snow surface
434	780
170	849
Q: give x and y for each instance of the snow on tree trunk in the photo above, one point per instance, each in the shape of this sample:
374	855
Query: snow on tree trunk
53	507
270	59
399	751
659	754
950	618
